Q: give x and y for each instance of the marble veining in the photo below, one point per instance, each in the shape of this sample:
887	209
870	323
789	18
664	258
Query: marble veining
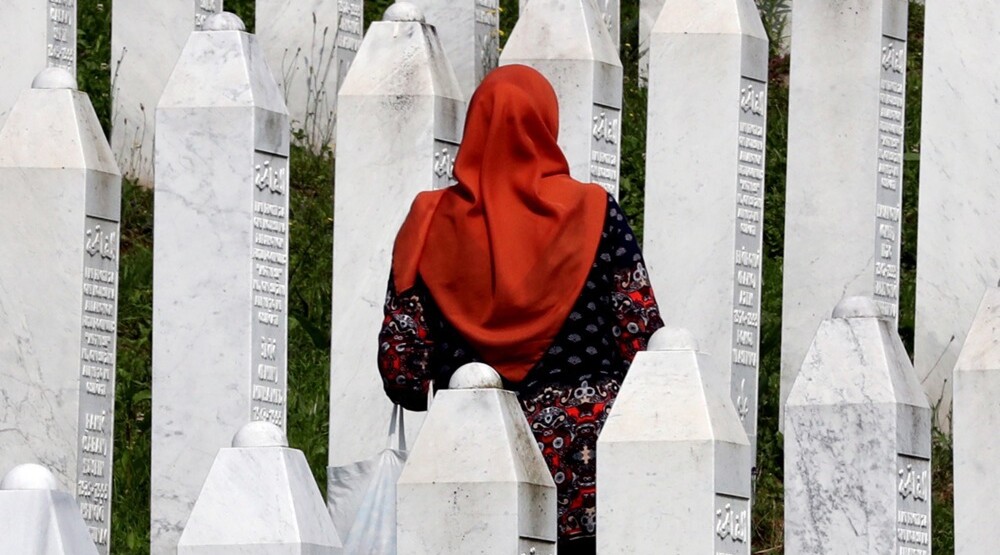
221	117
399	102
57	364
958	256
833	246
259	501
855	417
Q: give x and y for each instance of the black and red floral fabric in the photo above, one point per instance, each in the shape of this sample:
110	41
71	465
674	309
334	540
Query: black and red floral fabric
568	394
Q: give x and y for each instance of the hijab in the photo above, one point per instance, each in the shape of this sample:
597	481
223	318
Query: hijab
505	252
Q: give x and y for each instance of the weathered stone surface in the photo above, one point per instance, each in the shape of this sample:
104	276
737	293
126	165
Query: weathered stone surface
610	15
845	159
470	33
60	197
220	263
857	441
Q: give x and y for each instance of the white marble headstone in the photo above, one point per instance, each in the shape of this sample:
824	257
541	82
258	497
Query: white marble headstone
610	14
957	252
475	481
220	262
857	441
975	423
843	199
649	12
146	39
60	198
470	33
705	182
299	39
568	42
692	473
260	498
401	117
35	34
38	519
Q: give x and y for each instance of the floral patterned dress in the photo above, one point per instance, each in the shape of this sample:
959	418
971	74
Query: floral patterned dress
568	393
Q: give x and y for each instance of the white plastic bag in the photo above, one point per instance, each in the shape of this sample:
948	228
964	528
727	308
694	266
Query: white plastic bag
363	496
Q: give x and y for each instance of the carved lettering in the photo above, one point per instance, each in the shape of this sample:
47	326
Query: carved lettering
750	158
604	148
269	287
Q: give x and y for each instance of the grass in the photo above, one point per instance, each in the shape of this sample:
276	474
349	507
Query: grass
311	267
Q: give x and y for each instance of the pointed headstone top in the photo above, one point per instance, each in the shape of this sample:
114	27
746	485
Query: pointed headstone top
224	21
404	11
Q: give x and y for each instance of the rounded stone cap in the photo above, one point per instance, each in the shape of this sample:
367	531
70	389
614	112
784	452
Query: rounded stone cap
260	434
857	307
54	78
669	338
404	11
29	476
223	21
475	375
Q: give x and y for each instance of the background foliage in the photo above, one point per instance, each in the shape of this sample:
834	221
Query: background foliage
311	267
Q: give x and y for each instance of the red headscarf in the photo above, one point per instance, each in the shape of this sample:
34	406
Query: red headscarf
506	251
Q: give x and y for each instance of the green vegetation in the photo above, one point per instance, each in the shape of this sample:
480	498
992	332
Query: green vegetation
309	304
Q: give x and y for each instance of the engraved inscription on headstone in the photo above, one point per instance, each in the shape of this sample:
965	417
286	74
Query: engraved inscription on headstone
487	37
605	148
97	377
732	523
61	45
349	33
444	163
203	9
913	506
749	241
270	289
889	195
